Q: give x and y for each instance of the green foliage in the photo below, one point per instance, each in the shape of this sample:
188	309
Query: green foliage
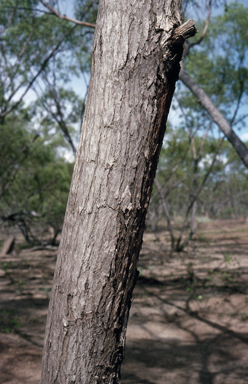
228	177
34	181
219	63
36	45
39	55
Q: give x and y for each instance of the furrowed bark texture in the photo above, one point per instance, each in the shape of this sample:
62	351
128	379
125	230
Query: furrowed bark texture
217	117
134	70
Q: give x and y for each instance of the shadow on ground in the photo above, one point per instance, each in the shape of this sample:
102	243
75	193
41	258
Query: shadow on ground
188	322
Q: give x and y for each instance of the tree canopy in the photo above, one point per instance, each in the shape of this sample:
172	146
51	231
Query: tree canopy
43	54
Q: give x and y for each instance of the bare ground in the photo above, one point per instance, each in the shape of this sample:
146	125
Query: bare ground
189	316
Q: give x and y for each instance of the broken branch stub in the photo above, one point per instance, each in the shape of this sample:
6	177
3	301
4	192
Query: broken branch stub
183	32
173	49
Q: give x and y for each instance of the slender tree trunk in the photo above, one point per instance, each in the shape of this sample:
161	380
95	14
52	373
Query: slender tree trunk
217	117
194	208
135	65
167	214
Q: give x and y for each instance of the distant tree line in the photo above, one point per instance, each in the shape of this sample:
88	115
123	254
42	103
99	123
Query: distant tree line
199	173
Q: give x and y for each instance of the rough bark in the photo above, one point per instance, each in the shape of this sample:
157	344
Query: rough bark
217	117
134	69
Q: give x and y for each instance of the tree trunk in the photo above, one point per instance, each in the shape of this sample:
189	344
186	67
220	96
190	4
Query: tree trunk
135	65
217	117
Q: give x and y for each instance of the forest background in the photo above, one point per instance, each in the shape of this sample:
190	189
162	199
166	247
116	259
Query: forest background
45	61
43	57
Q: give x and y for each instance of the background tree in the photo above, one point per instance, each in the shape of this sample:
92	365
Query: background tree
222	56
186	162
198	178
34	180
217	66
31	38
38	57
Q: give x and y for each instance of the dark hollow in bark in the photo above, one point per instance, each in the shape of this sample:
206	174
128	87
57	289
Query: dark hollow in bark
134	69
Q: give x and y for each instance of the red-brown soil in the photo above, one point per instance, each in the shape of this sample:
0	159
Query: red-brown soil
188	321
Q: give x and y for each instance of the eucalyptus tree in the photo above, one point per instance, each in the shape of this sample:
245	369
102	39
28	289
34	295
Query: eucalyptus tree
34	180
135	64
188	160
39	112
216	71
37	48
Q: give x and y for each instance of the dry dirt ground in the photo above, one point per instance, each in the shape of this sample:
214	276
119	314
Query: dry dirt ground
189	316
